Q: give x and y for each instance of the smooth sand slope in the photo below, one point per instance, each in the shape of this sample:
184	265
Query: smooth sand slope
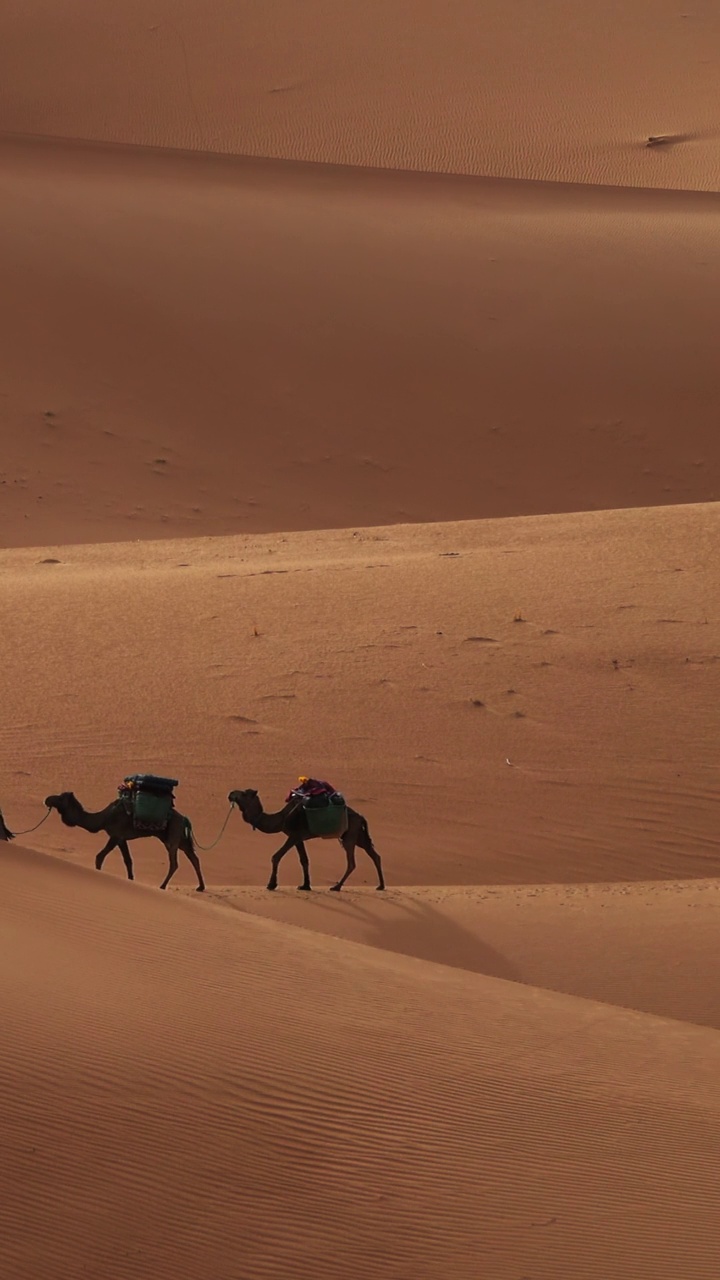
407	665
652	947
200	346
563	90
188	1093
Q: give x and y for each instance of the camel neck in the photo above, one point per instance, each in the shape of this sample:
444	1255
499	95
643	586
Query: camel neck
268	823
92	822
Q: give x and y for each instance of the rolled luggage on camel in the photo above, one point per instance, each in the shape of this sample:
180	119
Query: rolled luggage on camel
149	799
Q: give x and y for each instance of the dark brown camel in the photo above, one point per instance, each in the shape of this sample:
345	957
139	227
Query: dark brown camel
118	824
292	823
5	832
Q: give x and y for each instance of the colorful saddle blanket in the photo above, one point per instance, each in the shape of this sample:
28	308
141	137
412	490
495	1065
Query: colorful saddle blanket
308	788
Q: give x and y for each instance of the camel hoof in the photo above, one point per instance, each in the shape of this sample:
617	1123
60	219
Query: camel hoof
200	888
271	888
379	888
304	888
335	888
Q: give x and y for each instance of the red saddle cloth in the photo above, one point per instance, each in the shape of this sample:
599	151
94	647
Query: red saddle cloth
311	787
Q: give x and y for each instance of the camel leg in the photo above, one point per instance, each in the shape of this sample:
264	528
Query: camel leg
172	864
367	845
125	851
106	849
305	866
276	860
349	847
190	854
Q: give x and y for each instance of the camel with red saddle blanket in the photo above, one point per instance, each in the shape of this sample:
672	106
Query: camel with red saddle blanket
313	810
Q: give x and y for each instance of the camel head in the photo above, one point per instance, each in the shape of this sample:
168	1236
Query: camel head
248	802
67	806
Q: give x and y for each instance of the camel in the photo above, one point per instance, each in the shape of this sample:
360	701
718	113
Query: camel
5	832
293	824
118	824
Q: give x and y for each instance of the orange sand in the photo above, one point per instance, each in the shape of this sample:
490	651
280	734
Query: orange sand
193	1095
390	661
201	346
359	418
563	90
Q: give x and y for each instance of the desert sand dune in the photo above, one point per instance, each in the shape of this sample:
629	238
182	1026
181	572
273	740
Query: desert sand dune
358	418
408	665
642	946
204	346
562	90
182	1095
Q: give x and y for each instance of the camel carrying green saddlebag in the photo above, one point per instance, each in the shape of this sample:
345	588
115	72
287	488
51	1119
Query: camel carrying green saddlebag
327	816
152	811
150	798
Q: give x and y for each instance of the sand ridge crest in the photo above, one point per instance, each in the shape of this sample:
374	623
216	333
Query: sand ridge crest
446	88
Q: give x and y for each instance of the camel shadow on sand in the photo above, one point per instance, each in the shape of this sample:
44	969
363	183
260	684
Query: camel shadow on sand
395	921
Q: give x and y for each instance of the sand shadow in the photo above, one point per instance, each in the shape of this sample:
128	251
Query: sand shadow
410	926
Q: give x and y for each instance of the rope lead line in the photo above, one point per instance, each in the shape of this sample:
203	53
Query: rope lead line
205	848
27	830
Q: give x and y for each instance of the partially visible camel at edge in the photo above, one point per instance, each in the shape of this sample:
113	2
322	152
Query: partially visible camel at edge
5	832
118	824
292	822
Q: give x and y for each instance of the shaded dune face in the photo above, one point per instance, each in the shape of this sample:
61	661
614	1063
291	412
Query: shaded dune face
556	1111
642	946
203	347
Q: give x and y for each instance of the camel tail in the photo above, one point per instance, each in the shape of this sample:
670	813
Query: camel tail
5	832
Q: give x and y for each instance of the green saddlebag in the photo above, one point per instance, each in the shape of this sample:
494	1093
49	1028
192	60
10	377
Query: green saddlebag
329	821
152	811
